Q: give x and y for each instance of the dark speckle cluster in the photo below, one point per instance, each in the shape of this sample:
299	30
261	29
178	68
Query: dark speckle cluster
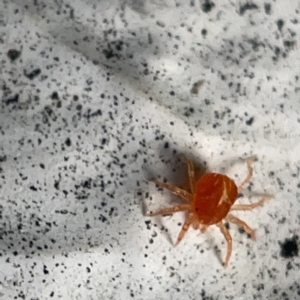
13	54
289	248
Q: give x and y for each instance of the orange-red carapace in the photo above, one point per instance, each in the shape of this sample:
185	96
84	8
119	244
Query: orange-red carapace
209	201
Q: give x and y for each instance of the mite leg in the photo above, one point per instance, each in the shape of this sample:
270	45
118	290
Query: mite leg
176	190
203	228
191	172
252	205
196	224
189	220
250	162
170	210
242	224
228	239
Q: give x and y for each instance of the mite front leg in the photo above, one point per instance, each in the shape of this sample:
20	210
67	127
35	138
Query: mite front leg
170	210
174	189
191	172
252	205
250	162
189	220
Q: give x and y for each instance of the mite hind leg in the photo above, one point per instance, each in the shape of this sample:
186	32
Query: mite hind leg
228	238
242	224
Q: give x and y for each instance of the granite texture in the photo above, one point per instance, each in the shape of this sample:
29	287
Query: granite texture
98	97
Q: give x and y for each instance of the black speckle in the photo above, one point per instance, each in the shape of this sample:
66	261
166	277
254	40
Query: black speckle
172	93
45	270
50	112
280	24
102	218
260	286
289	44
282	220
247	6
68	142
3	158
204	32
54	96
250	121
289	266
242	231
13	54
197	86
207	6
289	248
98	112
48	224
32	74
87	184
108	53
161	24
166	145
33	188
148	224
268	8
56	185
42	166
14	99
111	211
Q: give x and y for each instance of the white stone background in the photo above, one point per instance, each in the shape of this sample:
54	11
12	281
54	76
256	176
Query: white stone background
99	101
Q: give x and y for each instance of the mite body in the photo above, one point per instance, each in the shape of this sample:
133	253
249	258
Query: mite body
209	201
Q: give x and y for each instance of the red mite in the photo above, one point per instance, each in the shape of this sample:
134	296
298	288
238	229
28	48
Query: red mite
209	201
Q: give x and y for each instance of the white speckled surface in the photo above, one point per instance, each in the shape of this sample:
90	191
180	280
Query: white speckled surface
96	99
